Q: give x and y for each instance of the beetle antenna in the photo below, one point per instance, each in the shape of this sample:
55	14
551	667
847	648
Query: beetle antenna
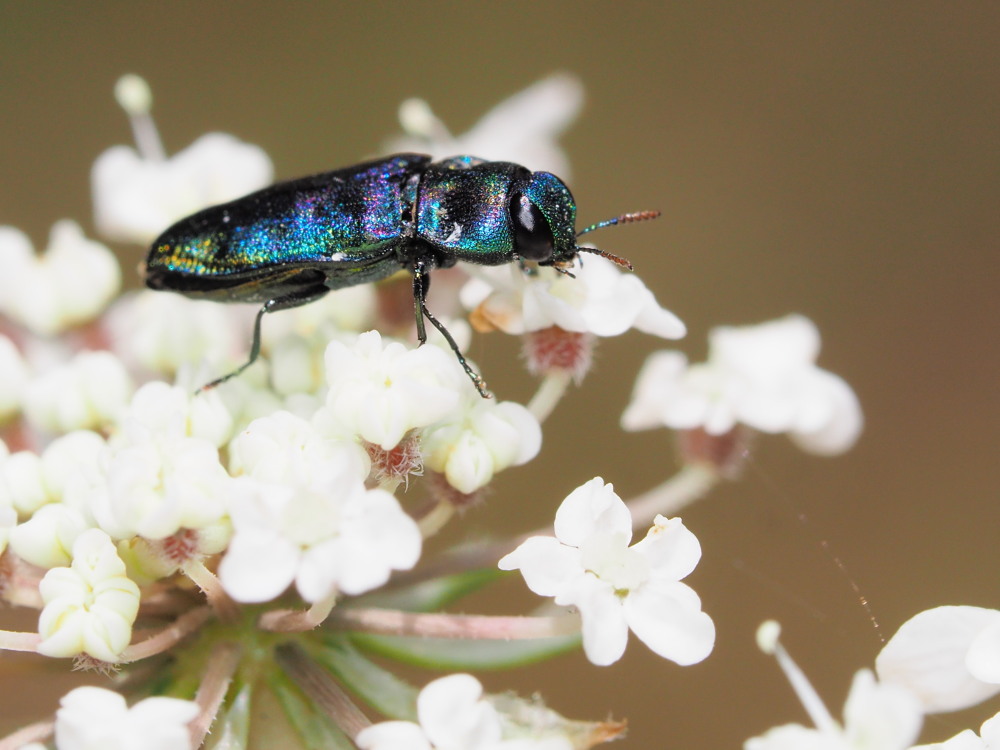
617	259
623	219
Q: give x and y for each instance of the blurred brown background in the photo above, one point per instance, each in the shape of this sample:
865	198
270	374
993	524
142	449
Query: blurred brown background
838	159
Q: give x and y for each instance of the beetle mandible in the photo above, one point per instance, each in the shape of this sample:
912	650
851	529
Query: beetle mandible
293	242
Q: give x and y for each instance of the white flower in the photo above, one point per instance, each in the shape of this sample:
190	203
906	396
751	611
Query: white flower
589	565
877	716
90	606
156	486
8	522
69	284
46	539
284	448
762	376
522	129
382	391
13	378
92	718
479	439
158	408
87	392
138	194
453	715
326	533
949	657
22	485
163	332
987	739
601	300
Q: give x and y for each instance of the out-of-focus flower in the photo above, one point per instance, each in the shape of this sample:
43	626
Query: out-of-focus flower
479	439
156	486
69	284
590	565
163	333
380	391
323	531
762	376
29	481
521	129
877	715
8	521
159	409
88	392
453	714
987	739
138	194
46	539
13	378
92	718
89	607
949	657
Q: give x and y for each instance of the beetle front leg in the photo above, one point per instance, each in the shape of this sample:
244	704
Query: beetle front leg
421	283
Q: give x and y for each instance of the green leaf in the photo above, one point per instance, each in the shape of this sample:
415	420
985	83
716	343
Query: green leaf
316	731
448	653
233	728
432	595
377	687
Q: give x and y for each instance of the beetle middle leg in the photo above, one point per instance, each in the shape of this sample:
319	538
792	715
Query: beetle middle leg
421	283
292	299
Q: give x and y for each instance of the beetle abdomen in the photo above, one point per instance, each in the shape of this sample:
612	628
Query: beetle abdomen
350	218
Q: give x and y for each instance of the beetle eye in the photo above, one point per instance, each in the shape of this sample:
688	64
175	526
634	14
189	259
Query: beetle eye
532	236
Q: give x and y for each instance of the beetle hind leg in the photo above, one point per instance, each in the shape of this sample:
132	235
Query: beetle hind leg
294	299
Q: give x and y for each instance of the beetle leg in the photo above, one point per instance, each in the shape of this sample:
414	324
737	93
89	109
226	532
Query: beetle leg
421	283
293	299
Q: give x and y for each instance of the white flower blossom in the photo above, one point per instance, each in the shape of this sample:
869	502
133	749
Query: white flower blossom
522	128
13	378
949	657
479	439
89	607
162	333
453	714
590	565
22	484
138	194
8	522
154	487
987	739
29	481
380	391
69	284
66	458
285	448
601	300
763	376
89	391
158	408
326	533
46	539
92	718
877	716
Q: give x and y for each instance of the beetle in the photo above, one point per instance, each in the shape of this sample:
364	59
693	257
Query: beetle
293	242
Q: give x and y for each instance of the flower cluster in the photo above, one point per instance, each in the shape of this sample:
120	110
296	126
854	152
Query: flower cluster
245	536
